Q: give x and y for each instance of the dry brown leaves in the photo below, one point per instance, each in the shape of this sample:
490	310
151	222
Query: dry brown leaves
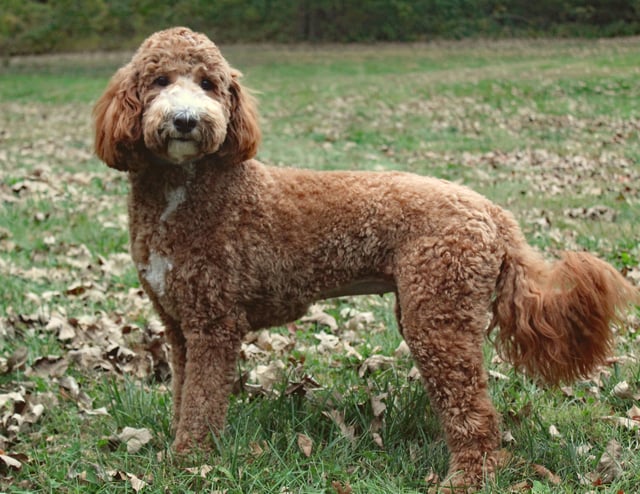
611	462
305	443
46	169
552	174
91	340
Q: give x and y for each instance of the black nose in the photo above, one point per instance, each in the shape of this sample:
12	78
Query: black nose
184	123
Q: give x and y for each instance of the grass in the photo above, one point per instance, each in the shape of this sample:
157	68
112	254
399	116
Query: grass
542	127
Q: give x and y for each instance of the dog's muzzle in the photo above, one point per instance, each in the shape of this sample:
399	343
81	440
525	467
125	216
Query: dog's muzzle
183	123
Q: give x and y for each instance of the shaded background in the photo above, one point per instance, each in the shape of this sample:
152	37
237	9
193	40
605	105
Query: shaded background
41	26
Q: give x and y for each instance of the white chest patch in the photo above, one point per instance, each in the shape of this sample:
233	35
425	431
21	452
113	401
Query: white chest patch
155	272
175	197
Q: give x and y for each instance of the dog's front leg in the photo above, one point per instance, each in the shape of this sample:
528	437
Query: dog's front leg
211	355
177	343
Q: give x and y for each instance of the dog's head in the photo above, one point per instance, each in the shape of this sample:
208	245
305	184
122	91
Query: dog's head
178	99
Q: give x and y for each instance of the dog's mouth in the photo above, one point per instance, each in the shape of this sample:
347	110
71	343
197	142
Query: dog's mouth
183	139
189	139
191	136
182	149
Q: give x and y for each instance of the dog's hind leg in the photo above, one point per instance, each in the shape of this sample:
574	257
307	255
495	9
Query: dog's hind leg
448	353
444	314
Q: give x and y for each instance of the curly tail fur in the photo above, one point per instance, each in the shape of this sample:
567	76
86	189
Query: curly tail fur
555	318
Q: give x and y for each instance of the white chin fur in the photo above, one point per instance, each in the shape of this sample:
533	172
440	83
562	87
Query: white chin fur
182	151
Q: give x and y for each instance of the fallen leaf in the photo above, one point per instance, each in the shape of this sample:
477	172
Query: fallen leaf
350	351
499	376
12	398
622	390
595	213
523	486
402	350
305	444
432	478
378	406
34	413
251	351
102	411
507	437
634	413
134	438
318	316
60	325
78	288
90	357
377	439
567	390
257	448
375	363
80	477
328	342
348	431
136	484
17	359
71	389
547	474
358	321
583	449
341	488
554	432
609	467
302	387
268	375
8	462
202	470
623	422
274	342
414	374
116	264
49	366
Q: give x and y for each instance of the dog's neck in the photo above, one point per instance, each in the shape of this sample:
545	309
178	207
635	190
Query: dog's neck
164	186
156	177
152	169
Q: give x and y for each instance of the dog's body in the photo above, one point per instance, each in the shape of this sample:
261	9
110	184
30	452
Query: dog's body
290	237
225	245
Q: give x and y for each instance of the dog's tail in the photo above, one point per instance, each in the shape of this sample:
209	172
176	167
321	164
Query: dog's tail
555	317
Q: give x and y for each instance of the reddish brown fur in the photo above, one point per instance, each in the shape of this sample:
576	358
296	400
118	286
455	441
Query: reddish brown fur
555	318
225	245
117	120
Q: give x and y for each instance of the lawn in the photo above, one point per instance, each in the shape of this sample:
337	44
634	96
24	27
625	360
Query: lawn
330	403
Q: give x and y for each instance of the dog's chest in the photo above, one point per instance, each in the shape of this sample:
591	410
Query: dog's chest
156	233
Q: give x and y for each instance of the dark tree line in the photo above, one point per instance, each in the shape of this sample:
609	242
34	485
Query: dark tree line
33	26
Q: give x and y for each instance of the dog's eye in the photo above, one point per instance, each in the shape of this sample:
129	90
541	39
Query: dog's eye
206	84
161	81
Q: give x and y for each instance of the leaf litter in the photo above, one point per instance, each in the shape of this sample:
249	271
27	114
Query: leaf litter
101	326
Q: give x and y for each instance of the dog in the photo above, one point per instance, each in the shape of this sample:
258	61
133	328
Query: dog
225	245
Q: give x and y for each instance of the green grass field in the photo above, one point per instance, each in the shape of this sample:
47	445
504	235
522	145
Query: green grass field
548	129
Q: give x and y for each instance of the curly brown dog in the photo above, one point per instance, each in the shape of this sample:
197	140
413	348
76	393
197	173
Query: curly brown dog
225	245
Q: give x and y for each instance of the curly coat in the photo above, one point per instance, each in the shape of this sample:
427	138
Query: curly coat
225	245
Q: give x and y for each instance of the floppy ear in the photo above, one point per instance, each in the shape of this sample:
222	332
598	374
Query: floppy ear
117	116
243	132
